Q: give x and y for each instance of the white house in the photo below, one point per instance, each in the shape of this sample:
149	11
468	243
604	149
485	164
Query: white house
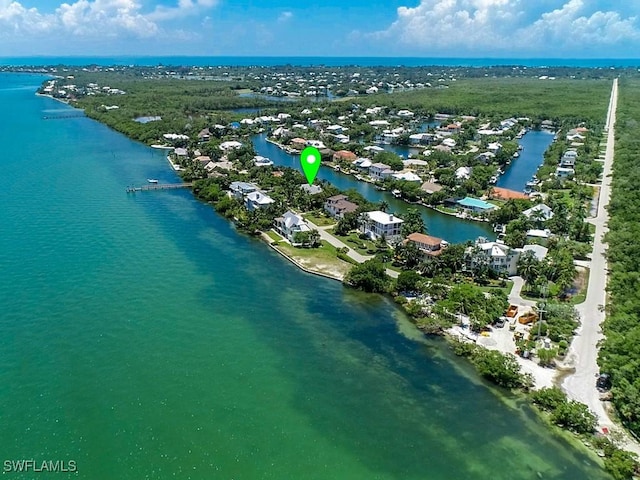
230	145
564	172
498	256
494	147
377	224
569	158
540	211
463	173
380	171
257	200
260	161
289	224
239	190
407	176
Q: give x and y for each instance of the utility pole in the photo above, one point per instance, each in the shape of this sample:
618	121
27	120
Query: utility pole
542	307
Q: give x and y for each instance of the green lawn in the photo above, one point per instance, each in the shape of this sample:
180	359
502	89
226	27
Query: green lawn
319	219
361	246
322	259
274	236
494	286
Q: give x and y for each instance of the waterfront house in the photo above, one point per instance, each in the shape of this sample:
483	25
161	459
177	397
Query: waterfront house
427	244
431	187
475	205
181	152
257	200
377	224
345	155
421	138
362	164
498	256
239	190
564	172
311	189
569	158
506	194
338	205
290	224
260	161
298	143
380	171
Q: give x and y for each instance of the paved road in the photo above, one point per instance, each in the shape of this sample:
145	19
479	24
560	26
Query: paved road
583	352
515	297
336	242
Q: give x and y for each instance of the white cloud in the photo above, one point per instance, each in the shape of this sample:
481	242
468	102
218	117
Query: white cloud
183	9
94	18
285	17
106	17
490	26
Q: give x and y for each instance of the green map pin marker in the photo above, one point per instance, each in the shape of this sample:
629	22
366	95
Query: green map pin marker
310	159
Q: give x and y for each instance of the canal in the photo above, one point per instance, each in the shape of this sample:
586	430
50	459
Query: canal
534	144
451	229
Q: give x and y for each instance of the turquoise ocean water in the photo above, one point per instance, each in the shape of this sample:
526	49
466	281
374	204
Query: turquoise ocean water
143	337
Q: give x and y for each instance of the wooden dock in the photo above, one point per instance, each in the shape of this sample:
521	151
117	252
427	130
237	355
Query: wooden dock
159	186
64	116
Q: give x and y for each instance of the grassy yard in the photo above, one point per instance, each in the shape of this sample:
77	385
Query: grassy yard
274	236
322	259
363	247
495	286
319	219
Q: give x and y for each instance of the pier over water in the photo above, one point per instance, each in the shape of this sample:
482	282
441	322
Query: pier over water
161	186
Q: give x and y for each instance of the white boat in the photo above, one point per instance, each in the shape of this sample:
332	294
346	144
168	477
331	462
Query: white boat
396	193
152	180
516	155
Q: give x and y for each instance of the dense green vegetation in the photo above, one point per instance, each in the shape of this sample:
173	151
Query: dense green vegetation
620	352
576	417
560	100
502	369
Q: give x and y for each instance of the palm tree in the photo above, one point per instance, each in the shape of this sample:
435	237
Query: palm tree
383	206
528	267
314	238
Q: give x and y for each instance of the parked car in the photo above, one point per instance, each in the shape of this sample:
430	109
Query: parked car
604	382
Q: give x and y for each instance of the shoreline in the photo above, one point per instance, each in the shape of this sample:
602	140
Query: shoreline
292	259
269	242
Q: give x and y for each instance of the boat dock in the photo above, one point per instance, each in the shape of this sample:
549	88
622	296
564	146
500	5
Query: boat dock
64	116
159	186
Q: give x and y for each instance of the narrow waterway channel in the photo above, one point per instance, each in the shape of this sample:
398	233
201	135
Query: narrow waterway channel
452	229
534	144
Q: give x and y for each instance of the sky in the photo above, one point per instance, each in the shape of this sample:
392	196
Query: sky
370	28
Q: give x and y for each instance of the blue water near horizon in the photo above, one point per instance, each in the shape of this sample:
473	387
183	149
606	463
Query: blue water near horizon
318	61
145	337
